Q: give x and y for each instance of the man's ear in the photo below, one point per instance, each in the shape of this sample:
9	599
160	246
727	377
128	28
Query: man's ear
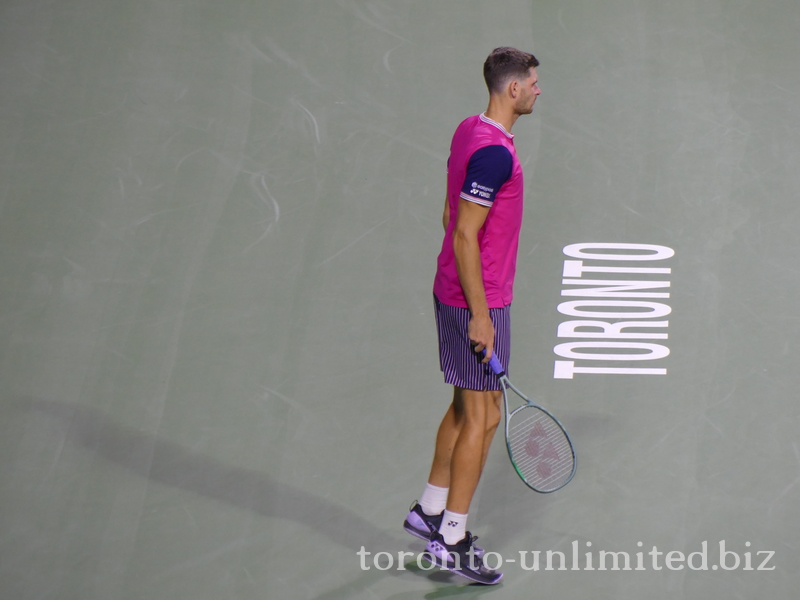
513	88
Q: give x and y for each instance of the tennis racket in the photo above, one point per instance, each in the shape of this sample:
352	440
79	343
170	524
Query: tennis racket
538	445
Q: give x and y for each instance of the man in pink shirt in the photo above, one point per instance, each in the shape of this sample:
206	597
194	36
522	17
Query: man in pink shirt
472	295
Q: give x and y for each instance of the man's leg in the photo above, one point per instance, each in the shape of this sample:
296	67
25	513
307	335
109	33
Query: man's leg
446	438
465	435
450	430
497	397
482	411
480	415
432	503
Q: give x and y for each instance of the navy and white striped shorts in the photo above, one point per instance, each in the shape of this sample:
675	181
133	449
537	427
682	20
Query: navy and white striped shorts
460	364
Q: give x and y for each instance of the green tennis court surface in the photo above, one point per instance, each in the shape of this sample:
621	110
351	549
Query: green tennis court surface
218	232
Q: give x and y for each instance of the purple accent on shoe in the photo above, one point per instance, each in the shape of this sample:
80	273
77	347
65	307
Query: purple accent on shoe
416	526
461	559
420	525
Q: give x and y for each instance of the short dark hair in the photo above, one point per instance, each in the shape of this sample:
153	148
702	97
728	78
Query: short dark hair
506	63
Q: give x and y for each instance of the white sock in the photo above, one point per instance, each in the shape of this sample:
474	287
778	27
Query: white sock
433	499
453	527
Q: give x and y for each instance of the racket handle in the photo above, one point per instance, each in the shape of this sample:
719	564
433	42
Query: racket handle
494	362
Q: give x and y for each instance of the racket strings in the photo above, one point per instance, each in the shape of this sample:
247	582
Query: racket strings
540	450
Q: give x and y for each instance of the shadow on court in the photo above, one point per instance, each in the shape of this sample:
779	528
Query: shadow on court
176	466
171	464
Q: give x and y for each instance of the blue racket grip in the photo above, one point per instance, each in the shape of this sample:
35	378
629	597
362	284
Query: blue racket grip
494	362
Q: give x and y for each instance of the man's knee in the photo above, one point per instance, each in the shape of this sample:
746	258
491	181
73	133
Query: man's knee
493	414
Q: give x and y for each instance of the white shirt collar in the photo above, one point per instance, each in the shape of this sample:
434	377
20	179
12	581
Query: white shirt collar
489	121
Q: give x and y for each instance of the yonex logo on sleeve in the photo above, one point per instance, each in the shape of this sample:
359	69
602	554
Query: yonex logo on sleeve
481	190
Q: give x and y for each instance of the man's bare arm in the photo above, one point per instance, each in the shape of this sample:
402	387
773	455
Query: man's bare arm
469	221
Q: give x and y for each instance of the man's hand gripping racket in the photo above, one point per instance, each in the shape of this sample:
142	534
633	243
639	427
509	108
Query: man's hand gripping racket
538	446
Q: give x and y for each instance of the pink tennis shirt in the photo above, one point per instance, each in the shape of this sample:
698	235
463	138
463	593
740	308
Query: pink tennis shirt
483	168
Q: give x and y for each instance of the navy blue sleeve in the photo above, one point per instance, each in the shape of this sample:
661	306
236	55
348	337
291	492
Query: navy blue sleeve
488	169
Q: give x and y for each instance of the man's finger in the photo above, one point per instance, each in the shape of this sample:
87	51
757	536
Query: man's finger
488	353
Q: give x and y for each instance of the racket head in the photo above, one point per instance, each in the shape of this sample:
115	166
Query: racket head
540	448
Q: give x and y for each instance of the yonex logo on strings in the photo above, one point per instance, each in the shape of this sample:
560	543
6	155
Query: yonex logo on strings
547	456
611	319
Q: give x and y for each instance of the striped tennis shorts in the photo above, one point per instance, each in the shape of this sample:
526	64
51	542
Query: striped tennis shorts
460	364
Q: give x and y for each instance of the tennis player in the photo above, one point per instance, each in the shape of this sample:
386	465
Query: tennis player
472	296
